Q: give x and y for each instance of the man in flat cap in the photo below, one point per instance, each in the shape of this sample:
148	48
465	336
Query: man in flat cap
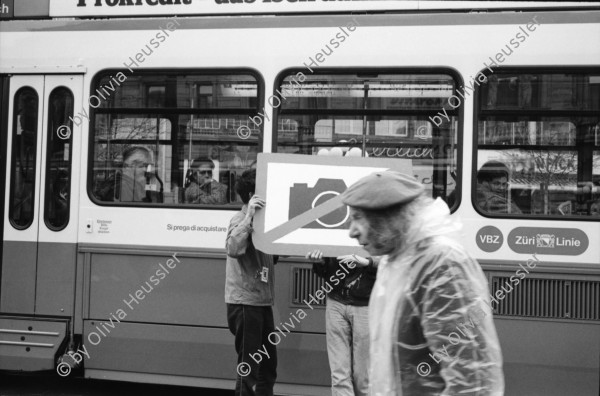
431	324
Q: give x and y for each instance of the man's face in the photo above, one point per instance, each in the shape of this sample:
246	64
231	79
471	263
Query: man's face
203	174
362	231
134	166
498	185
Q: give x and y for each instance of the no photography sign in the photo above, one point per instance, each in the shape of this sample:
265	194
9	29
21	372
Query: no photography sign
303	208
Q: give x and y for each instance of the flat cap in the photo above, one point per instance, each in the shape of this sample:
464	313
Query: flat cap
380	190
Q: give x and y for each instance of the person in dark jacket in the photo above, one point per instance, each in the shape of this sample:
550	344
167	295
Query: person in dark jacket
350	280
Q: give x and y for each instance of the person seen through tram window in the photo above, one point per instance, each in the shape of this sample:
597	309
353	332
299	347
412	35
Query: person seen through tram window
430	315
201	188
492	189
135	182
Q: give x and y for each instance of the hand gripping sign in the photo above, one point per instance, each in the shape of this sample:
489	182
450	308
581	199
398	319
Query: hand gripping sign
304	210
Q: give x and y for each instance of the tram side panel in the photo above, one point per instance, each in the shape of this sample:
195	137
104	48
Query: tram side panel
157	313
145	305
158	326
151	298
142	320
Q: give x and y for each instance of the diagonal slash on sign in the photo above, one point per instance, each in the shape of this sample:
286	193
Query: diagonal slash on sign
303	219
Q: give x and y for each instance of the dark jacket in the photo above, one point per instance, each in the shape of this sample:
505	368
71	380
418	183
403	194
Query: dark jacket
350	286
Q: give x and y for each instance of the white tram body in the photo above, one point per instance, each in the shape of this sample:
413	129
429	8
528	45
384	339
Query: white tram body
183	84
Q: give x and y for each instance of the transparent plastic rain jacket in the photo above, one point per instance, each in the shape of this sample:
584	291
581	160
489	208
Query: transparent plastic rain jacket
431	323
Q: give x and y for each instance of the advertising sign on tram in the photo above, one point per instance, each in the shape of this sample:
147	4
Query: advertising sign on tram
213	7
83	8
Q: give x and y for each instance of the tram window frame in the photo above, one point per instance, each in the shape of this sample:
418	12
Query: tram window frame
33	166
196	113
535	114
51	198
371	115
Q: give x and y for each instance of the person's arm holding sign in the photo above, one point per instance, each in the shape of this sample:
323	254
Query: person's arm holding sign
320	263
240	228
370	262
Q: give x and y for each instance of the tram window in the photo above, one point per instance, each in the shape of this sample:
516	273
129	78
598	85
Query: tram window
174	139
377	115
23	167
542	132
58	159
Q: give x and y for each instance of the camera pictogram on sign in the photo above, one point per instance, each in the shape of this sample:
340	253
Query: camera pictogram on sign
304	198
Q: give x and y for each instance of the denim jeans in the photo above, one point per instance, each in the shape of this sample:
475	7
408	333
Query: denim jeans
347	328
251	326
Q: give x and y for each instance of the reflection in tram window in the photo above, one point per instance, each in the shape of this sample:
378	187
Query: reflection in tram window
58	158
24	141
176	118
374	115
553	160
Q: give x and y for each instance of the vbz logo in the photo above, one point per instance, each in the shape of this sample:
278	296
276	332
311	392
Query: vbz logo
495	239
489	239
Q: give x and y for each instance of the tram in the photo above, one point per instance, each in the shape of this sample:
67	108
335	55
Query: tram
112	269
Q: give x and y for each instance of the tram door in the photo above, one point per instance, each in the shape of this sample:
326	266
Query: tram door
41	195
